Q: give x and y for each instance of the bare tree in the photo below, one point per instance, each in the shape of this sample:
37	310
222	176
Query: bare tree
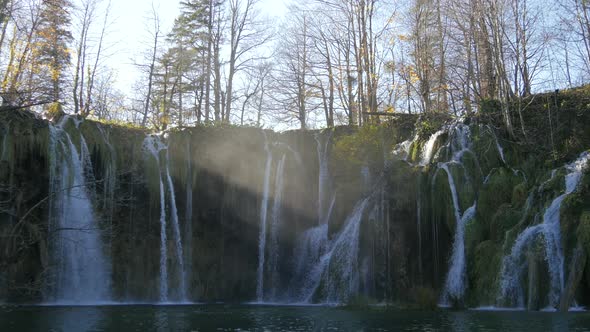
155	34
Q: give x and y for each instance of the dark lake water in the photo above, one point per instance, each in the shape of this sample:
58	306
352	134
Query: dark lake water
278	318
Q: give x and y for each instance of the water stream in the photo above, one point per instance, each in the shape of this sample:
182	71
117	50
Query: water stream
80	272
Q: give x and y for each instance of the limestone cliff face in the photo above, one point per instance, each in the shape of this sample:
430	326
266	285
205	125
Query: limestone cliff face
411	211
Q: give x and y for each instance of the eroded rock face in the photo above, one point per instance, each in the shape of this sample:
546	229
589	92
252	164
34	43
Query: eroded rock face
403	237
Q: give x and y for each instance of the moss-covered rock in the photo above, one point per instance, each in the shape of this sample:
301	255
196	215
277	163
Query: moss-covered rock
583	231
484	266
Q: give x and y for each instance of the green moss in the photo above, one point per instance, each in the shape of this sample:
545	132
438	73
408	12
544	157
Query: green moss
441	200
519	194
475	233
365	145
404	178
484	146
583	231
497	192
24	136
505	218
485	263
415	151
573	208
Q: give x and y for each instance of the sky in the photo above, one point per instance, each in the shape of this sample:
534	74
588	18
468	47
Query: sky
128	34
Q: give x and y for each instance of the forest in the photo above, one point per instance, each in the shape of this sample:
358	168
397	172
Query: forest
324	63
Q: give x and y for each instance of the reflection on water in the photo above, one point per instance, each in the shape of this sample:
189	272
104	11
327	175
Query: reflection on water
71	319
278	318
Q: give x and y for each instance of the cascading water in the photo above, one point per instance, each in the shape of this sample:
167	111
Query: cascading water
275	227
312	244
513	265
339	266
176	231
81	272
188	223
455	283
153	146
307	253
87	164
428	151
263	218
323	178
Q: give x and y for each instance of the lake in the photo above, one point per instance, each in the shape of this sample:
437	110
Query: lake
278	318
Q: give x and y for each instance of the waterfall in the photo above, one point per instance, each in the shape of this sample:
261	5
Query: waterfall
176	231
403	149
337	268
308	250
153	146
163	246
428	151
311	245
275	227
81	272
340	263
262	234
188	230
512	265
323	178
455	282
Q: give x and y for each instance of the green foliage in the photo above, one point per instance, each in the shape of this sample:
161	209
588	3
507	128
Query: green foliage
53	39
425	128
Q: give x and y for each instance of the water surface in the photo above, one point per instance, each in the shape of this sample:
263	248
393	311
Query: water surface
278	318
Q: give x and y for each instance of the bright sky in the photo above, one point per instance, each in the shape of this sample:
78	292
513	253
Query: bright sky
129	36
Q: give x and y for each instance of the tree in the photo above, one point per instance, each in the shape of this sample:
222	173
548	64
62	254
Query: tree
155	35
291	84
53	38
246	33
86	68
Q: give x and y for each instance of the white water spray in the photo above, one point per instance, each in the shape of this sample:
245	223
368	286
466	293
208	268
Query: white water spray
81	272
263	217
513	265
